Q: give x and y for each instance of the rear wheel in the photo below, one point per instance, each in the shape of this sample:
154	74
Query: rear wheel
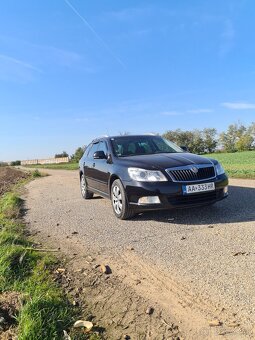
120	205
86	194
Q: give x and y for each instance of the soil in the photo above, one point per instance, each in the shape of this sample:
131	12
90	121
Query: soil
9	177
10	304
116	309
136	300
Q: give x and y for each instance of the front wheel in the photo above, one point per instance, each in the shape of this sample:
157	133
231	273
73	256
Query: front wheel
120	205
86	194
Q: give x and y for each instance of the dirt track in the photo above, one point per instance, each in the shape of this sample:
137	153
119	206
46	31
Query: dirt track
191	265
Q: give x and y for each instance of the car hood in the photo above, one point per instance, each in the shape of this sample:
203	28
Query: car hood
163	160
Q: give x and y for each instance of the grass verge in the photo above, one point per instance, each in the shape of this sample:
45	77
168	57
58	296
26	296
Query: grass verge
61	166
237	164
45	309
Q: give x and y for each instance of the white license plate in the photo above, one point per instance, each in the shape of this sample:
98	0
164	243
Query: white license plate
193	188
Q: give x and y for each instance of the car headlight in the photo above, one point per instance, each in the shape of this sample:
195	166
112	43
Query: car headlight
143	175
219	169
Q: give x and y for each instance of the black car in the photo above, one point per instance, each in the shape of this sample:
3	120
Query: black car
148	172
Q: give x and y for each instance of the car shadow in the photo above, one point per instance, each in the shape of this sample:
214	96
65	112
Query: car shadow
238	207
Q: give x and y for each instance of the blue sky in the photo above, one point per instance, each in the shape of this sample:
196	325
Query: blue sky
71	70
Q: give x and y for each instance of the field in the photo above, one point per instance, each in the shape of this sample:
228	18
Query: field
238	164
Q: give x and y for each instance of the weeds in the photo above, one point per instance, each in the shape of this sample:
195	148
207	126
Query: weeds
36	173
45	310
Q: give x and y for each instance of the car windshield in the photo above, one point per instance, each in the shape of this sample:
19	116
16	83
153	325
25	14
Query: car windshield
142	145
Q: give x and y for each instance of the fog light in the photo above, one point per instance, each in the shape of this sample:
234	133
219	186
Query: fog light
225	190
149	200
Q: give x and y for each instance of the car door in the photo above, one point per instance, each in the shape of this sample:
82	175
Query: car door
101	169
89	166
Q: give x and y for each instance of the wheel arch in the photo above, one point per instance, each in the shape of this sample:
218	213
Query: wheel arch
128	211
112	179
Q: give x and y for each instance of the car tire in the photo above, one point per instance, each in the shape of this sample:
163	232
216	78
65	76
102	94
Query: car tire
86	194
120	205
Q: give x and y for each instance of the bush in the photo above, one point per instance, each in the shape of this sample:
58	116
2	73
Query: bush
14	163
36	173
78	154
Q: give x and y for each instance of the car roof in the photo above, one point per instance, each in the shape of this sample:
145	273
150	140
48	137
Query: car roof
95	140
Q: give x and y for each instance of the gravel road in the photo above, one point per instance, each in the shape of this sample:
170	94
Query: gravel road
211	250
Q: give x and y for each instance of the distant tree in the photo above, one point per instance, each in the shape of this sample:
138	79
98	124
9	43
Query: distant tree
209	136
244	142
78	154
228	140
60	155
3	163
237	138
13	163
198	145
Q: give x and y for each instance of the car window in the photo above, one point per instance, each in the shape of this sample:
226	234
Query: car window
162	145
142	145
87	150
93	149
103	147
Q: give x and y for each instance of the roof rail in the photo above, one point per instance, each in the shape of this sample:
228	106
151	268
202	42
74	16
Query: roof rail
150	134
103	136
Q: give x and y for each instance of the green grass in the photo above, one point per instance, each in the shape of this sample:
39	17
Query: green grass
46	310
10	205
36	173
61	166
237	164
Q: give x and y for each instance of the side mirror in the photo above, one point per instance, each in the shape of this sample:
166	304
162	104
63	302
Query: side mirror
184	148
99	155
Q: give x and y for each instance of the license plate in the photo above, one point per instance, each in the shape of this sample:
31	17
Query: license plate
194	188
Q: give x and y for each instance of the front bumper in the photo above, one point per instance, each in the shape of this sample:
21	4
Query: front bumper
171	194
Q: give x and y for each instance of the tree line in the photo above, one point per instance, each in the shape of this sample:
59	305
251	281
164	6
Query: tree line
237	137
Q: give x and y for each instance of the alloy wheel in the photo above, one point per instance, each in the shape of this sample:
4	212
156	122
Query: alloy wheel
117	199
83	186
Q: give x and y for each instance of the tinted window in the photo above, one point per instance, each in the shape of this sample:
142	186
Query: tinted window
103	147
142	145
93	149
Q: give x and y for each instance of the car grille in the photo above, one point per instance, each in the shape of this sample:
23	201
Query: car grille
185	174
198	198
